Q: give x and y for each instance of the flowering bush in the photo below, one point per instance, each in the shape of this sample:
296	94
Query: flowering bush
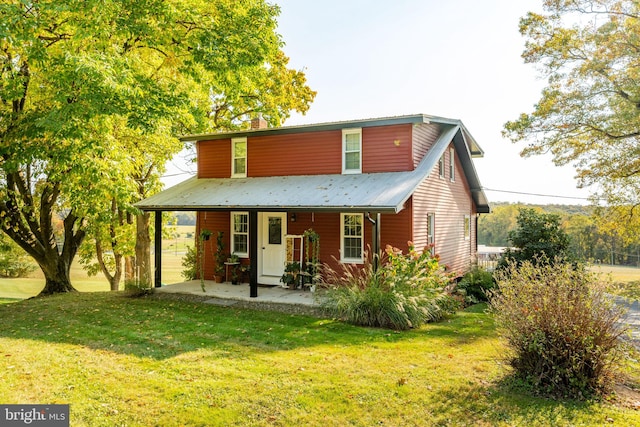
405	291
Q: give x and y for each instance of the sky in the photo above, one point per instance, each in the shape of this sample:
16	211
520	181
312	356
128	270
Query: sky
458	59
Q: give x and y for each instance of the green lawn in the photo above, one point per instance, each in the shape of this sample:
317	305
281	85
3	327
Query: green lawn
150	361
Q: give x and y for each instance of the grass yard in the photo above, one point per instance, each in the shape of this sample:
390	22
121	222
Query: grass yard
166	362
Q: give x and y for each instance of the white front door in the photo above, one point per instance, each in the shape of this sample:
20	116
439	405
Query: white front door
271	246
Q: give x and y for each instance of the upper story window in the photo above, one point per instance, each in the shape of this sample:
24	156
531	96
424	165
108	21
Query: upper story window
467	227
431	232
441	166
352	150
452	164
239	157
240	233
351	237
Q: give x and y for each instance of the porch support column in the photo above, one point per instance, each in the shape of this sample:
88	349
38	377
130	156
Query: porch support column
375	238
253	254
157	241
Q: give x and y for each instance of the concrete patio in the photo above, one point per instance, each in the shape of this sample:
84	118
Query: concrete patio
228	294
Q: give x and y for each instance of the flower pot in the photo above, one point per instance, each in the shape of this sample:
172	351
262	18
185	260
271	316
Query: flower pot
218	278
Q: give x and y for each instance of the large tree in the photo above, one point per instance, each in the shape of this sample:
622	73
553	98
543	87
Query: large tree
75	70
589	113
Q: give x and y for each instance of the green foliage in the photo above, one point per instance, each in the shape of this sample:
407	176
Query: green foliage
475	284
190	264
14	262
561	327
538	237
135	288
93	93
406	291
587	115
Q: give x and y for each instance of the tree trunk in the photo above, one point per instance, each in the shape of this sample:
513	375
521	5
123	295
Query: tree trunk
56	273
143	249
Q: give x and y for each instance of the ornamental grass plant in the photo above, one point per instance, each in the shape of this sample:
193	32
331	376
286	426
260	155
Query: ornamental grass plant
561	327
405	290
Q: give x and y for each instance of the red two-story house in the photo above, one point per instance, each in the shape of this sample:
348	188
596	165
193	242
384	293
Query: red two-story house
358	184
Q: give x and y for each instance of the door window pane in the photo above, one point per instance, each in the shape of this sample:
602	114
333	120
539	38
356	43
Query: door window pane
275	231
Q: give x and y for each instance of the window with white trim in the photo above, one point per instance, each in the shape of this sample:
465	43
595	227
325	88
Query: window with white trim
431	236
467	227
441	166
452	164
239	157
240	234
351	237
351	151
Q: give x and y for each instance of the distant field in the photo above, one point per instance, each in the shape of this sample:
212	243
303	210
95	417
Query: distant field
172	253
619	273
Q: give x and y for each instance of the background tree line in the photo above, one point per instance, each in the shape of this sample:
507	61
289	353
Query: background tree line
594	237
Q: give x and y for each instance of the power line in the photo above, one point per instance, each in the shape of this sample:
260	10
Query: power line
536	194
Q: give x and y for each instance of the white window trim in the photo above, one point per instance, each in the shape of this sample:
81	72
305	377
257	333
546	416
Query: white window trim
467	220
232	234
342	257
233	157
346	132
452	164
441	168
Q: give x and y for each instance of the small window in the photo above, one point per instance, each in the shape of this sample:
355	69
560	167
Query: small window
351	151
452	164
441	166
431	239
240	233
467	227
239	157
352	237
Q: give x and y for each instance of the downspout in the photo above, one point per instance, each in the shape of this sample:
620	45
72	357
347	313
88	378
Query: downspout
375	239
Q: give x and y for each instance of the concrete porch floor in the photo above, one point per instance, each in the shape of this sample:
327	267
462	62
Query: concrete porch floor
227	292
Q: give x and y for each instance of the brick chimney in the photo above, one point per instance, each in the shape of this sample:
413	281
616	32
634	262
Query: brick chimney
259	123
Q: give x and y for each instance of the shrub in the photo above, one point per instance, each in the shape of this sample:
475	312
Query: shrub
405	292
561	327
14	261
190	264
475	284
135	288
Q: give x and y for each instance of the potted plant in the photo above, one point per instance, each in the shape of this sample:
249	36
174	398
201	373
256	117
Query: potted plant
220	257
234	262
291	273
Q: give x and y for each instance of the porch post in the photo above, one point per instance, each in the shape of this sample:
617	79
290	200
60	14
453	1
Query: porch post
375	239
253	254
158	249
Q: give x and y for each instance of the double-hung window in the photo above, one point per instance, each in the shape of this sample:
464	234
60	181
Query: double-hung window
239	157
441	166
452	164
351	151
467	227
351	237
431	236
240	234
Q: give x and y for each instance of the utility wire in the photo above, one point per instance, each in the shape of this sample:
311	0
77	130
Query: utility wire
536	194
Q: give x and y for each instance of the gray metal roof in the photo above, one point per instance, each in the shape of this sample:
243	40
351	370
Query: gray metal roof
474	148
377	192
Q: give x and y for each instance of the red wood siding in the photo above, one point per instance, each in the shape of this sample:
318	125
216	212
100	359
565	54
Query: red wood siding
386	148
214	158
214	222
449	202
313	153
424	136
